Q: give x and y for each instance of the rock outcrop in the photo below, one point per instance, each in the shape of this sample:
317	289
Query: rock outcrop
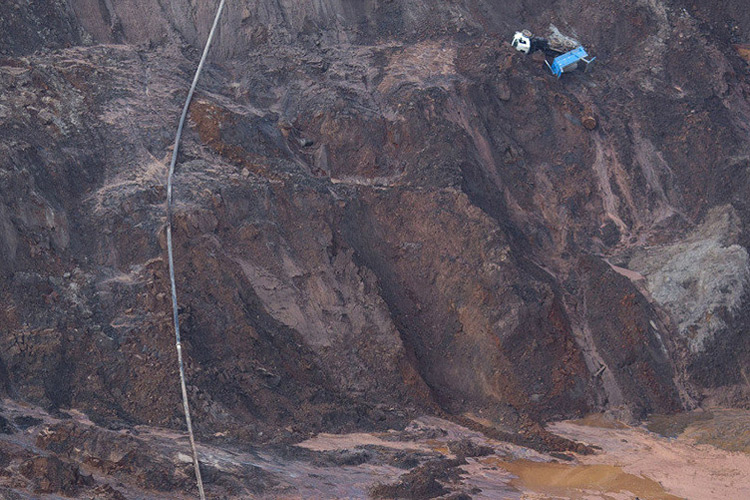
383	210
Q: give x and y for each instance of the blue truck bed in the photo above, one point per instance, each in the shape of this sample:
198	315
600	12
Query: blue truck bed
563	61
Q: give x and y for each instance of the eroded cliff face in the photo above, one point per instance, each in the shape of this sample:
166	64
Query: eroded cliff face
383	210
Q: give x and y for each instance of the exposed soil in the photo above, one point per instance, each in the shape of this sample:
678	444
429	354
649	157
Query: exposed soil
383	211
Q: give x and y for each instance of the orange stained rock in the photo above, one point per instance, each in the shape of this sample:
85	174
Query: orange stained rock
743	49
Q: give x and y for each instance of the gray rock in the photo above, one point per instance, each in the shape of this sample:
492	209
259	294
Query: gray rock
700	278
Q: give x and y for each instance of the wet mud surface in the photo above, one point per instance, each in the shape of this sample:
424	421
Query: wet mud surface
69	455
706	459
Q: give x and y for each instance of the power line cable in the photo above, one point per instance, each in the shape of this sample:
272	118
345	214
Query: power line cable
185	405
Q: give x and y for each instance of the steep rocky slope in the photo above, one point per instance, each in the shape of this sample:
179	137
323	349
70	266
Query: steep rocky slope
383	210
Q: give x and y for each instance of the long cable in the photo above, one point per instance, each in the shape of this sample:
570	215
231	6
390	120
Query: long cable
175	317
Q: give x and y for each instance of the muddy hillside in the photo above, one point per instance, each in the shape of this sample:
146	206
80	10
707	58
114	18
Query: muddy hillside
383	211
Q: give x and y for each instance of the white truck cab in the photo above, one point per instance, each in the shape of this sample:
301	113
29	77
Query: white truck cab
522	42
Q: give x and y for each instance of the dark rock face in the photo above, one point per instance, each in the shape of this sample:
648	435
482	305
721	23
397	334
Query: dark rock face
51	475
382	210
26	27
631	348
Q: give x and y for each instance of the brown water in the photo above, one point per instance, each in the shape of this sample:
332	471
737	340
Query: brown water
580	481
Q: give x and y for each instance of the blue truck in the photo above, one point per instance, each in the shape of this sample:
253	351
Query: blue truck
568	62
567	52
